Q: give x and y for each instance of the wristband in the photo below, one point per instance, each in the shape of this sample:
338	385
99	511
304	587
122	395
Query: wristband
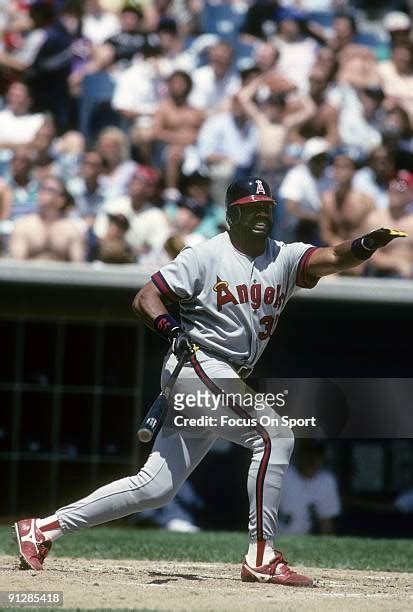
360	250
165	325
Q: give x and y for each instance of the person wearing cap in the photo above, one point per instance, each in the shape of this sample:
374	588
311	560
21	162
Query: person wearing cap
148	224
395	260
301	192
398	26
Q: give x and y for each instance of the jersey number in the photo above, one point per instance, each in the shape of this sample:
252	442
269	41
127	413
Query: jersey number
268	322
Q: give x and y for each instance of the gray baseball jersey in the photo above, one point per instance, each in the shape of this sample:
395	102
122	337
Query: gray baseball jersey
230	302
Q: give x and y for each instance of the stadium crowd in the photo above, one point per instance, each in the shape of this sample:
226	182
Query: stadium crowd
122	123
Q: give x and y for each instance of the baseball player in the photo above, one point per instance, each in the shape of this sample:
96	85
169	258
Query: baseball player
231	291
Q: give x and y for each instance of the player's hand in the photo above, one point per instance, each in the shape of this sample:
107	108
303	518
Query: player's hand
380	237
181	343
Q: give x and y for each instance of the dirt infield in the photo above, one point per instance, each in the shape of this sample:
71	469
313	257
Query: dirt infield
166	585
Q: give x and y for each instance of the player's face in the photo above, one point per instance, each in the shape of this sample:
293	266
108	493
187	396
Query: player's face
257	218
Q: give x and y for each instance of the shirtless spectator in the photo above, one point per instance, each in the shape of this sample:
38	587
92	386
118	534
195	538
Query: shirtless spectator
17	124
18	187
49	233
176	124
395	260
215	83
343	209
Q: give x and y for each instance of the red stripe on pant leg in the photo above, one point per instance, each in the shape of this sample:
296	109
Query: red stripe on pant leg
50	526
263	433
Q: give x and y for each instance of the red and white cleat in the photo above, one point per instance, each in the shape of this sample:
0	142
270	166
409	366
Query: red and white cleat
33	546
276	572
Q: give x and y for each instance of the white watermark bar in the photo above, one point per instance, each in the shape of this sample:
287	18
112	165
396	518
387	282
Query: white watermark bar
311	407
31	599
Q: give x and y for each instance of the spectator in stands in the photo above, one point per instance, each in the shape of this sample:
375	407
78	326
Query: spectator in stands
183	232
395	261
136	97
397	136
359	113
118	50
17	124
86	189
112	247
297	50
227	145
274	124
148	225
50	233
343	209
310	500
18	187
113	147
397	77
344	32
98	24
196	187
266	57
374	179
42	148
44	61
398	26
216	82
176	126
124	45
171	45
301	192
323	122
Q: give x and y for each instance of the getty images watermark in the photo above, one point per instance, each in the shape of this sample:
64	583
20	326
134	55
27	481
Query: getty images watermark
245	401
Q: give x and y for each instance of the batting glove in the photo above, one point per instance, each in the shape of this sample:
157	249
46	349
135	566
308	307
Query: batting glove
181	343
364	247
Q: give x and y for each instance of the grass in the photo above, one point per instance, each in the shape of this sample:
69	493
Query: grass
224	546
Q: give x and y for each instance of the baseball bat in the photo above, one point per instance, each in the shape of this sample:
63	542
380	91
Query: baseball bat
151	424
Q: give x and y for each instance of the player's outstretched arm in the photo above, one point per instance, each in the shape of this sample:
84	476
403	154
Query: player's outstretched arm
349	254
